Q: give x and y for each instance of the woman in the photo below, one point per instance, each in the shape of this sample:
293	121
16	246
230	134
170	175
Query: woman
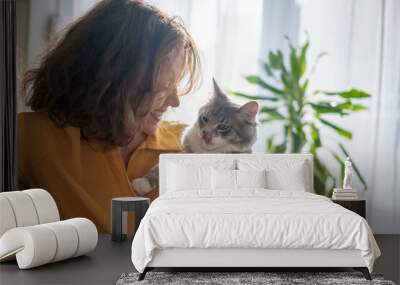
98	97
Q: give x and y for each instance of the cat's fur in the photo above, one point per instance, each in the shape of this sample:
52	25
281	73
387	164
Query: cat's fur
222	127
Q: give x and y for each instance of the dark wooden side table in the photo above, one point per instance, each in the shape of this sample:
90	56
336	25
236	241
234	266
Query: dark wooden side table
357	206
119	208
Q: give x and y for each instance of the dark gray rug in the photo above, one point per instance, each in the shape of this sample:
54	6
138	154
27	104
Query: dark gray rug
230	278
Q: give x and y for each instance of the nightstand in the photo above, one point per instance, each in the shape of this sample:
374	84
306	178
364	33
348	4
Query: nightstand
119	207
357	206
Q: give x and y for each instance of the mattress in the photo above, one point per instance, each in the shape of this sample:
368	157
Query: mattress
250	219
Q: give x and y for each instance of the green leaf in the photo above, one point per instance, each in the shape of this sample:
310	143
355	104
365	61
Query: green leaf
352	93
302	59
281	148
268	119
321	176
254	79
327	107
268	69
272	112
274	60
316	61
281	60
353	107
340	161
315	136
319	182
303	87
286	131
298	141
272	148
270	144
339	130
359	175
254	97
294	64
287	82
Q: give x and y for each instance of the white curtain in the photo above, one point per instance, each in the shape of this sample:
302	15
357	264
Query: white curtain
363	45
228	36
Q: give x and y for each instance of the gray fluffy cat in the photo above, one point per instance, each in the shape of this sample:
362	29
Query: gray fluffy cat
222	127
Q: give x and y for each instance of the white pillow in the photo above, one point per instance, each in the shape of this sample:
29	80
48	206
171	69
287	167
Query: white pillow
281	174
223	179
251	178
182	177
293	178
226	179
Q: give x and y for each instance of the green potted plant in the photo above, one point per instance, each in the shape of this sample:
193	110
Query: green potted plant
302	112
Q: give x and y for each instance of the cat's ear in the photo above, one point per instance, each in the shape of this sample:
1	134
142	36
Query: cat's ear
249	110
218	92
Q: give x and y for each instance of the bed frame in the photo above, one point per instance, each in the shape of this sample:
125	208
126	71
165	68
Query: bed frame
248	259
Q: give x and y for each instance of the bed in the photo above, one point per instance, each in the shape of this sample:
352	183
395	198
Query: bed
245	211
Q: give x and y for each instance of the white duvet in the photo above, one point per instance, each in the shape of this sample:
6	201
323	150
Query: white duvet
251	218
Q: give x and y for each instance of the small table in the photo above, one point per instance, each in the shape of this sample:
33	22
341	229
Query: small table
119	207
357	206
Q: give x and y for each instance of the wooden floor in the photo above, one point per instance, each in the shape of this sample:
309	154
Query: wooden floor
389	262
110	260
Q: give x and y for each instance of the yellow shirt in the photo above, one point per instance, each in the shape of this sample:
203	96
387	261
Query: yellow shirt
81	176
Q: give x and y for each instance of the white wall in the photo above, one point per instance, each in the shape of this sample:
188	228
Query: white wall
37	21
363	45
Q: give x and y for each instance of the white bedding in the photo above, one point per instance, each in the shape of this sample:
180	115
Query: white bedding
252	218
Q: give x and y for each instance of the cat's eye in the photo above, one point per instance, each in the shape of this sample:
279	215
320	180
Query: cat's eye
223	128
204	119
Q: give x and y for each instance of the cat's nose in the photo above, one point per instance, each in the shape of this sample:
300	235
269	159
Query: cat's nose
207	137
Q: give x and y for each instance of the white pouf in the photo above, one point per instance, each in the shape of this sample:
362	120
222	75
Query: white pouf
23	208
37	245
31	230
45	205
7	220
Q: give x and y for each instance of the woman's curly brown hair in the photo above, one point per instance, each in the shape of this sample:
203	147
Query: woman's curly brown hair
101	72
